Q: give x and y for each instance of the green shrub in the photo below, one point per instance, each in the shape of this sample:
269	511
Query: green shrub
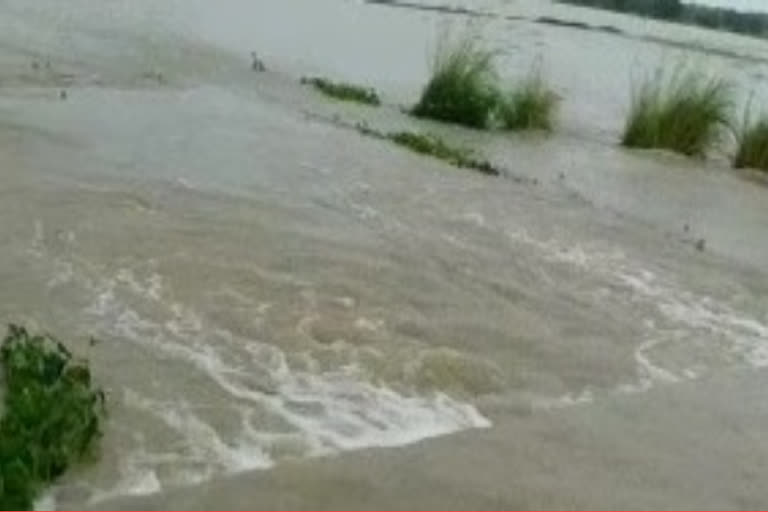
463	86
752	151
343	91
530	105
685	113
51	415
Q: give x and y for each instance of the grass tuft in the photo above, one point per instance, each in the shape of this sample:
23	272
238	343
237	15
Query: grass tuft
51	415
531	105
752	151
465	89
463	86
685	113
344	91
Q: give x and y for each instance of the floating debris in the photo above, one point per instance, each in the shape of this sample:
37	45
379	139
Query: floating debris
257	64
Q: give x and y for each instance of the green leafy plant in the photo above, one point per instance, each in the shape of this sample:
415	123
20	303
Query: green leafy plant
344	91
51	419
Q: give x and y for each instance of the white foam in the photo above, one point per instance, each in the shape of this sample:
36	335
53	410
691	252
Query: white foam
327	411
37	245
648	370
203	441
586	396
694	316
366	324
136	478
745	337
45	502
475	218
346	302
63	273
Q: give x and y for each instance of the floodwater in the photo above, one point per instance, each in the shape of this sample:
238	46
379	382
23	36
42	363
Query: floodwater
269	288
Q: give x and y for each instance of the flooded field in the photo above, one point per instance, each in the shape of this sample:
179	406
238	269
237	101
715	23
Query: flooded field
269	287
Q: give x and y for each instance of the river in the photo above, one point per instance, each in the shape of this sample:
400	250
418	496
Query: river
286	310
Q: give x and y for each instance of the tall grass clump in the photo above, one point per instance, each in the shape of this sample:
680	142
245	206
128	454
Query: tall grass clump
685	112
463	87
51	415
530	105
752	141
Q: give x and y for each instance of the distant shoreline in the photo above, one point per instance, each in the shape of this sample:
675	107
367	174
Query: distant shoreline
580	25
717	18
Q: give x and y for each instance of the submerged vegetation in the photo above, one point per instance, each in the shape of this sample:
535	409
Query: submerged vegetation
51	415
344	91
434	146
463	88
752	151
685	112
430	145
529	106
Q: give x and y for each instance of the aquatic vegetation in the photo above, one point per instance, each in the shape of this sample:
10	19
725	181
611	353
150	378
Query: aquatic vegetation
463	87
752	149
51	415
436	147
430	145
685	112
344	91
530	105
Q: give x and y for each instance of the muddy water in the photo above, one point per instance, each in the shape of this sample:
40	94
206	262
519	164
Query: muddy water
267	286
